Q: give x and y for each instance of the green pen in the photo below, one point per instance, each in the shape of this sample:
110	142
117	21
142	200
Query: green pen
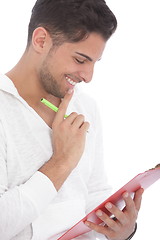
51	106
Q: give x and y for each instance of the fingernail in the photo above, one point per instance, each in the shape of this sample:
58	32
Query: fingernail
99	213
109	205
87	224
126	195
70	91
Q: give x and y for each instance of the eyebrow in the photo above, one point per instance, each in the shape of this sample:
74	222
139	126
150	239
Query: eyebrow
83	55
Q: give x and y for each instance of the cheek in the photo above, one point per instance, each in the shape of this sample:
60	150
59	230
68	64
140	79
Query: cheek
63	65
67	67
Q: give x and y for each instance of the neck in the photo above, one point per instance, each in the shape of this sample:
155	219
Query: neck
25	79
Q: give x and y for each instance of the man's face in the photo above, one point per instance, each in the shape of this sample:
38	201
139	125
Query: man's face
69	64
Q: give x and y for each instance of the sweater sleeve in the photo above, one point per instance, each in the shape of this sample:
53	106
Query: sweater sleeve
20	205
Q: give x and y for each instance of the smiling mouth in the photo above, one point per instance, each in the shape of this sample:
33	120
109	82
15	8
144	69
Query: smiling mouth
70	81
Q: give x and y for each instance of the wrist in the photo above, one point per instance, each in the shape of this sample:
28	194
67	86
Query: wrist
133	233
56	172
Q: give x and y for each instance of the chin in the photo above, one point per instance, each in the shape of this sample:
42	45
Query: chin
58	95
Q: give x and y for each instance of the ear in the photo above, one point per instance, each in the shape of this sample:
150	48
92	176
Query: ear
40	38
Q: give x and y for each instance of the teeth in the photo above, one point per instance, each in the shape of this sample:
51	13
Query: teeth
71	81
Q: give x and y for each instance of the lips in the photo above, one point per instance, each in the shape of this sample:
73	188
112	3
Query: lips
70	81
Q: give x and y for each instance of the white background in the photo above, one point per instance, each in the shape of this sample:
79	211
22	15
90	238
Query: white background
126	87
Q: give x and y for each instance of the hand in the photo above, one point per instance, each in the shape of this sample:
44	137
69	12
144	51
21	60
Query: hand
123	225
69	135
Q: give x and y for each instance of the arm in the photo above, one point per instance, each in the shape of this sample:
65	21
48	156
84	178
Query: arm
67	153
23	204
20	205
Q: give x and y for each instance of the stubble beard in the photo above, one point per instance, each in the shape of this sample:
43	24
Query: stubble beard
49	82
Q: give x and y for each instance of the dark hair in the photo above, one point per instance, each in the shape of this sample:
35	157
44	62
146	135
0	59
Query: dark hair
72	20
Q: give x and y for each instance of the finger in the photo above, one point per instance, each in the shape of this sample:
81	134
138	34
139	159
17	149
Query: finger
63	106
70	119
85	126
78	121
130	205
98	228
113	225
138	198
119	215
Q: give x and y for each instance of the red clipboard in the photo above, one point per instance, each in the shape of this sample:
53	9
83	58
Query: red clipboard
142	180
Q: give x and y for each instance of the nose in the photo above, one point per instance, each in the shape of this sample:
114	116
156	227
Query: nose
87	74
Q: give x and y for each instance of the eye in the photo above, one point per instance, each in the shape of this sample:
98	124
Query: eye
79	61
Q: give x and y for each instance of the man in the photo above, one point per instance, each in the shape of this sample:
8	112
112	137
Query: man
51	168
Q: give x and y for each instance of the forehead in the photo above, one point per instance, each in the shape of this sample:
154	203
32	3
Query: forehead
93	46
